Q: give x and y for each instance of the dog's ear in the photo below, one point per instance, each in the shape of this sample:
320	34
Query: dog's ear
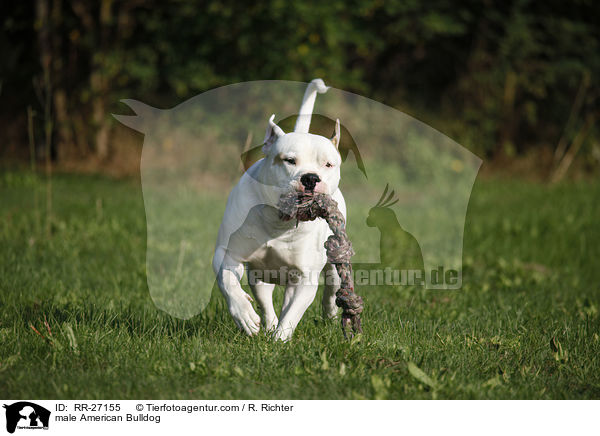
335	137
273	133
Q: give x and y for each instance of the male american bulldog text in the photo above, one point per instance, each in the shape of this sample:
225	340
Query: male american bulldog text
253	234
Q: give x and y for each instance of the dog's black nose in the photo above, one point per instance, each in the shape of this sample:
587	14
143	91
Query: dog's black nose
310	180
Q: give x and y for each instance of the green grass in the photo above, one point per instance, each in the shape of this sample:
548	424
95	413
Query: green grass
525	324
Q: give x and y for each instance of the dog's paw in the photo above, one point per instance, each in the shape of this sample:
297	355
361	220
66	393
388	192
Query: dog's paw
283	334
330	312
271	324
244	315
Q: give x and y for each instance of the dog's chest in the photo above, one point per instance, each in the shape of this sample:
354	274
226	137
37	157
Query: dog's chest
295	248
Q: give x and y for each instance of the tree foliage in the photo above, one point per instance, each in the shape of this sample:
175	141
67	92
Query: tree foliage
500	77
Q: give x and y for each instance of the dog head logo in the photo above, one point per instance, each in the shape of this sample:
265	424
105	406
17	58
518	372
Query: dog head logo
26	415
194	153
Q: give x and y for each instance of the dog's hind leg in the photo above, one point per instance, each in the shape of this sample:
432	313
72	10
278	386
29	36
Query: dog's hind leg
332	284
263	292
296	300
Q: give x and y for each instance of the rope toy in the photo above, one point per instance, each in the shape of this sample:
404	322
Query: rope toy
309	206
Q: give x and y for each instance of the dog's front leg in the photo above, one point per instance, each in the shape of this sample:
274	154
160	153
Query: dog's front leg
238	301
296	300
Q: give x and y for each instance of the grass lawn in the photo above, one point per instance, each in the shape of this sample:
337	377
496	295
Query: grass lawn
526	323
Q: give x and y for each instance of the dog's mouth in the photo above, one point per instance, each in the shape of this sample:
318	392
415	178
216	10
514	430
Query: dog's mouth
304	205
299	187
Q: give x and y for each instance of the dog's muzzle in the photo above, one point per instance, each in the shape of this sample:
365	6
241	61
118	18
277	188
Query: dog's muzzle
310	180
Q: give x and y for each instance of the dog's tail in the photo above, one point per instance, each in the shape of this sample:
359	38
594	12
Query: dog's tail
308	103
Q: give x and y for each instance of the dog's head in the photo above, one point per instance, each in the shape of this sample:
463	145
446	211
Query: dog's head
302	161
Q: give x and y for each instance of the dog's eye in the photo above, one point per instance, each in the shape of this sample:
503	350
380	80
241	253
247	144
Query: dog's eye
328	164
290	160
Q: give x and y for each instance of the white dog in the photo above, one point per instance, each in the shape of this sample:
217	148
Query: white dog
277	251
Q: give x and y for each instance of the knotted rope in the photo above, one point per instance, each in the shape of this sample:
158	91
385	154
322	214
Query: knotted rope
309	206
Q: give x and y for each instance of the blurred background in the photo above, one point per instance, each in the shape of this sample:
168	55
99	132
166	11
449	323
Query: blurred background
516	82
89	261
